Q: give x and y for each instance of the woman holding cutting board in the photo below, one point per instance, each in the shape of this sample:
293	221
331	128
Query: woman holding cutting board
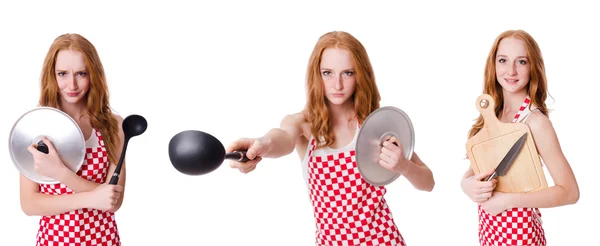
515	78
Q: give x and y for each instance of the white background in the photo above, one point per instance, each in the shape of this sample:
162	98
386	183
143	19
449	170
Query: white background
234	69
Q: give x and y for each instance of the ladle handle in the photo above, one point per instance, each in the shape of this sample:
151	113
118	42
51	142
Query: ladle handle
237	155
115	178
42	147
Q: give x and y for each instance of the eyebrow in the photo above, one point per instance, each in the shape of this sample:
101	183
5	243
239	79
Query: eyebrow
347	69
517	56
65	70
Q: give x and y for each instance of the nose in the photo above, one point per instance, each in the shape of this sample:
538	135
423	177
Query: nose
512	69
338	83
73	82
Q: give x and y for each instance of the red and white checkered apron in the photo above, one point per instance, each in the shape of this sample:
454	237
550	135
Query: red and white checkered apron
82	227
347	209
515	226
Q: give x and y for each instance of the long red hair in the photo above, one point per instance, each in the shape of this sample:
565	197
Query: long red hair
97	97
365	98
537	87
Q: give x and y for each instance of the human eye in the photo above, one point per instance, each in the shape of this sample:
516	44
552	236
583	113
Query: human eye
82	74
349	73
523	62
61	73
501	60
326	73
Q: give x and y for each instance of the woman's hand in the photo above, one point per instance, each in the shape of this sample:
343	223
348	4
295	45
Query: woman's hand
254	147
49	165
104	197
497	204
477	190
392	156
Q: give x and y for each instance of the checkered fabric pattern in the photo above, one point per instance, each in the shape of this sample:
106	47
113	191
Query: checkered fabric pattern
347	209
516	226
82	227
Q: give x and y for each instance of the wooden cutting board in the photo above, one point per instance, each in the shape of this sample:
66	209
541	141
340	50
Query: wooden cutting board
486	149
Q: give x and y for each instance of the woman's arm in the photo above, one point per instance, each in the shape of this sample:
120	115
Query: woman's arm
418	174
34	203
76	183
282	140
566	190
276	143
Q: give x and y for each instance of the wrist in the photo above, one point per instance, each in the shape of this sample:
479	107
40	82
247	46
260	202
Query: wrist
266	142
511	200
64	174
85	199
407	168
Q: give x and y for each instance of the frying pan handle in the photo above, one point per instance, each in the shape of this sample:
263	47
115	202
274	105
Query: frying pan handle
42	147
237	155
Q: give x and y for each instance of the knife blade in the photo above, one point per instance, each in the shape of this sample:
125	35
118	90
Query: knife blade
509	158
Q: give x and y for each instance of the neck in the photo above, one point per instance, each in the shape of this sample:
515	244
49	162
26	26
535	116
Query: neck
341	114
74	110
513	100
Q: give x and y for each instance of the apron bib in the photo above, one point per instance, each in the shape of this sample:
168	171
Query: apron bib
347	209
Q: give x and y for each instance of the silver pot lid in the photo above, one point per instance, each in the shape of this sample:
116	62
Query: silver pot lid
55	125
377	128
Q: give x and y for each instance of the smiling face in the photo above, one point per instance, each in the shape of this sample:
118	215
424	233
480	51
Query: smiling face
72	76
337	72
512	65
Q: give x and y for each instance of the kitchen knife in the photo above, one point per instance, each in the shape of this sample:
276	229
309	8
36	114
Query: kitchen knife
509	158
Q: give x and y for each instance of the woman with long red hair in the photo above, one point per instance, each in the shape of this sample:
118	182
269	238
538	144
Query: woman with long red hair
341	93
80	209
515	77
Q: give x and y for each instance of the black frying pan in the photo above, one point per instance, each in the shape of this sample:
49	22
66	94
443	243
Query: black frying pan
197	153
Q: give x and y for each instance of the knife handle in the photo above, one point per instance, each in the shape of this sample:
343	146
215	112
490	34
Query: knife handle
492	176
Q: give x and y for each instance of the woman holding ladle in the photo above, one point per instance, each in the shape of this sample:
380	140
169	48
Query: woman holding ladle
84	202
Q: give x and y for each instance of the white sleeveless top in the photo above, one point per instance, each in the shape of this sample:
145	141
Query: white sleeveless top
92	142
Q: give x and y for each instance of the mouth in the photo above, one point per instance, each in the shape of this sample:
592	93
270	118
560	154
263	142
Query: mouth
338	94
72	94
511	81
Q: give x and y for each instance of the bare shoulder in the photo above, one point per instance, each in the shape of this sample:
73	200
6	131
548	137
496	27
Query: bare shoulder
539	123
295	119
120	125
118	118
297	123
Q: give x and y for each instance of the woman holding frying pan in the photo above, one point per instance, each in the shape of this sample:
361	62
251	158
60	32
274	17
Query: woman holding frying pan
341	93
516	79
79	210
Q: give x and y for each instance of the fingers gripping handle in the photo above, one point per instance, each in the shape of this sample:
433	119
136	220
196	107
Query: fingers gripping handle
237	155
494	175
